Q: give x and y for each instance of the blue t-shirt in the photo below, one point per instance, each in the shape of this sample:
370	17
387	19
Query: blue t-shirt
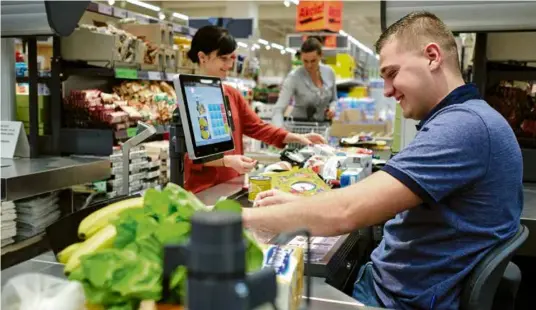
466	165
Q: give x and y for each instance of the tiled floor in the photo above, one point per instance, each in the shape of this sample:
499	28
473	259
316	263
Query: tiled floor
45	263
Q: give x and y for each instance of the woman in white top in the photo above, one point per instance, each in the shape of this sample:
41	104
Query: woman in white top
312	86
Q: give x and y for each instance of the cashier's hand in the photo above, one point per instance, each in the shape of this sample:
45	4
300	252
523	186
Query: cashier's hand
307	139
273	197
239	163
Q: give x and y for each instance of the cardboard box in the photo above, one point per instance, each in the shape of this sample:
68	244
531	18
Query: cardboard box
351	122
98	49
159	34
288	262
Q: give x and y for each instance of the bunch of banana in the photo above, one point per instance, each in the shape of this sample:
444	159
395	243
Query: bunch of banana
98	232
103	239
102	217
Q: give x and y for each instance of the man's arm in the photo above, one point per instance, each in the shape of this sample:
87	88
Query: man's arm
371	201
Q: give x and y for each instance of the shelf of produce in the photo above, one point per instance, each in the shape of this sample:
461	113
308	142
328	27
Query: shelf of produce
26	177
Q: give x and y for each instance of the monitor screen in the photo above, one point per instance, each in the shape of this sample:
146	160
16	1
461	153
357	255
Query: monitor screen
207	108
205	115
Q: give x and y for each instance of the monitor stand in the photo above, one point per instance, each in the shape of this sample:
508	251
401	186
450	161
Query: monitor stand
177	150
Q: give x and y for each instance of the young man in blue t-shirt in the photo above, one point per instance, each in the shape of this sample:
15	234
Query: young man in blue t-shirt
448	198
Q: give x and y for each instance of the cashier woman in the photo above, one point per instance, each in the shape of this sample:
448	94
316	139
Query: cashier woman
312	86
213	48
449	197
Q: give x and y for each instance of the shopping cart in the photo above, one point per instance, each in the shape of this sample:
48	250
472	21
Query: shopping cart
302	127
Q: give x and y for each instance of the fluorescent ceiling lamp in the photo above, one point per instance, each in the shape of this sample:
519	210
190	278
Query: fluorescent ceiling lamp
255	45
242	44
268	47
111	2
180	16
144	5
286	3
290	50
161	16
279	47
261	41
283	52
296	2
342	33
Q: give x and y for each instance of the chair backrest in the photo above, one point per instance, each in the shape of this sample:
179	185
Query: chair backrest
480	287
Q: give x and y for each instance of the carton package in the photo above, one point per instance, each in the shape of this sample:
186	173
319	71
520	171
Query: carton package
159	34
289	267
352	122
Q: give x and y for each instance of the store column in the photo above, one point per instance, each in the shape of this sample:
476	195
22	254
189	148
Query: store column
8	80
239	9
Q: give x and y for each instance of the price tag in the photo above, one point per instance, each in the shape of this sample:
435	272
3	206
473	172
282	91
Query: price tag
120	13
142	19
169	76
105	9
155	76
14	141
177	28
131	132
125	73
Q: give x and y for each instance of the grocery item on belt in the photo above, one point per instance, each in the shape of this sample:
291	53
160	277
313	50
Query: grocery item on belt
352	176
289	267
332	168
363	161
303	182
258	184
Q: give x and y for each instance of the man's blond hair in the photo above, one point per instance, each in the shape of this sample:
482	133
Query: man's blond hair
416	30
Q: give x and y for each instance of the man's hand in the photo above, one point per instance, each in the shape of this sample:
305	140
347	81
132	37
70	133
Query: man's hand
308	139
273	197
239	163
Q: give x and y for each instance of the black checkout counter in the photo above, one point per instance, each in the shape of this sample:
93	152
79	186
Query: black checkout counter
324	296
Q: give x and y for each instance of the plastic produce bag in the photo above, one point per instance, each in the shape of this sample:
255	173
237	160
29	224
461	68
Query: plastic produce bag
34	291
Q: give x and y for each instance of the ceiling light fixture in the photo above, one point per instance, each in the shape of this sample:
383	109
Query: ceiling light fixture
268	47
283	52
286	3
296	2
279	47
145	5
242	44
262	41
257	46
180	16
161	16
111	2
342	33
290	50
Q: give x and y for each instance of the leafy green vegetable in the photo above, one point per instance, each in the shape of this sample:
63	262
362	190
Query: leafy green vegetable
228	206
121	277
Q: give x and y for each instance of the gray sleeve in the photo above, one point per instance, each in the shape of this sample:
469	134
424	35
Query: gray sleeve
285	94
334	99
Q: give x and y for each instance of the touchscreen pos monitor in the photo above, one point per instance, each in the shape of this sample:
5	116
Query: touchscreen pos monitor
205	115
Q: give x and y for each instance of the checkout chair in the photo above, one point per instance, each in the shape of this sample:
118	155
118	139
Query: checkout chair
494	282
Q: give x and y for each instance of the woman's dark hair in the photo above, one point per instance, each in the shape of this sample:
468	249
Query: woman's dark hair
312	44
211	38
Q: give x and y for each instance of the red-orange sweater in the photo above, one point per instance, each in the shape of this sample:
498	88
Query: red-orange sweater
198	177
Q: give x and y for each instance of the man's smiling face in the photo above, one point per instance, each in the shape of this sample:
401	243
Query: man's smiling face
407	78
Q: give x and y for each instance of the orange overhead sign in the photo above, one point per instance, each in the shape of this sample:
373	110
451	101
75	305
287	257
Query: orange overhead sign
319	15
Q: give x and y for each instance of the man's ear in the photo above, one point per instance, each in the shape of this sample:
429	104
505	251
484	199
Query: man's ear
202	57
434	54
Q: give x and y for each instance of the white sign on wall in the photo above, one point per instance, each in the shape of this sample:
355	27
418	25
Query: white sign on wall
14	142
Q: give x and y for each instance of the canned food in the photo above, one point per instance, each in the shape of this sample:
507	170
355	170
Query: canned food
258	184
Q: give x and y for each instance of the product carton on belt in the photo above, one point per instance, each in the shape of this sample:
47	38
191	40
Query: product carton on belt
288	262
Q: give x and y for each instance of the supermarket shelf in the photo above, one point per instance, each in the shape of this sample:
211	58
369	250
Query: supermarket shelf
107	10
47	174
80	69
349	82
24	250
